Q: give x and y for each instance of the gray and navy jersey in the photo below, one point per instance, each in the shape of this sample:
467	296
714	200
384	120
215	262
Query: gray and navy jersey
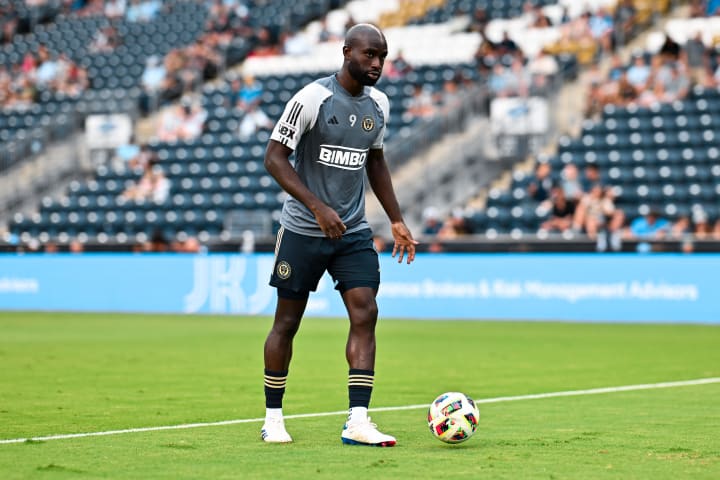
331	133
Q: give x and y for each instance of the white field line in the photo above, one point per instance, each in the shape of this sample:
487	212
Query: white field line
536	396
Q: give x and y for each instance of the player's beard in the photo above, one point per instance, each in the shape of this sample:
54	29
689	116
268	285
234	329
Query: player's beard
362	76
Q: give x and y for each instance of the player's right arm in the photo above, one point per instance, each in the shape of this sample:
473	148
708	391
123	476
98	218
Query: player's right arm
299	116
277	163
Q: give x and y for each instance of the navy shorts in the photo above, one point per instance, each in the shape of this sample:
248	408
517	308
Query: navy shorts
301	260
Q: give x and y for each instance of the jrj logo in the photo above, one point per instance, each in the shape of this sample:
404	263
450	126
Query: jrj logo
230	285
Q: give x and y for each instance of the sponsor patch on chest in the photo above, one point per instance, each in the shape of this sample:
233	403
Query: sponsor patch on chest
342	157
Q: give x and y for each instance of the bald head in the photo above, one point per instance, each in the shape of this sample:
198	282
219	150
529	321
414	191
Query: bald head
364	54
363	32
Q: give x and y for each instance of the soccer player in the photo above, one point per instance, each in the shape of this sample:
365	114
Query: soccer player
335	126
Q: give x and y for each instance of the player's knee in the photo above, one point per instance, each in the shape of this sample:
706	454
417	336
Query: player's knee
364	316
286	326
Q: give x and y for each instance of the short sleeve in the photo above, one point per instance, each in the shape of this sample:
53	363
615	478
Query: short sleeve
300	115
384	105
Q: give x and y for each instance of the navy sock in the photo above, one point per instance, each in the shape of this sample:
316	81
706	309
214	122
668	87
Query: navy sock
360	385
274	387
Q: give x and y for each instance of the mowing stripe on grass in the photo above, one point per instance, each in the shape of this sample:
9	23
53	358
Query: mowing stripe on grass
536	396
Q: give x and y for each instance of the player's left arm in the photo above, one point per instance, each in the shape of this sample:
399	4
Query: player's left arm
381	183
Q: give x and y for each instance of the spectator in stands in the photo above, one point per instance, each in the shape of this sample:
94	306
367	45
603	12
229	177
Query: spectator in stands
654	93
570	183
142	11
153	186
9	20
678	85
561	215
507	46
254	119
105	40
73	79
601	29
421	103
501	81
638	74
153	81
626	92
576	34
142	157
594	99
435	247
687	246
266	43
648	226
219	17
534	15
76	246
47	66
542	67
396	68
204	60
542	184
700	226
185	121
596	212
124	154
616	68
591	177
695	56
158	243
519	78
431	222
187	245
449	99
22	95
454	226
716	230
479	21
29	64
681	227
250	93
142	189
115	9
624	19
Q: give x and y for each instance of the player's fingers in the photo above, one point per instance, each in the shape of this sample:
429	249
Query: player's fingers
411	254
402	253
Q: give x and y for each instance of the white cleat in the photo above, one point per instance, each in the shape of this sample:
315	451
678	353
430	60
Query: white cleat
365	433
273	431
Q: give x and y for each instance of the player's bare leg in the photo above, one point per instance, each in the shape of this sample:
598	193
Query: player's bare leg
278	352
360	353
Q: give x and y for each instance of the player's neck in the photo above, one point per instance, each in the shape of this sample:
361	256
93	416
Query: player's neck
352	86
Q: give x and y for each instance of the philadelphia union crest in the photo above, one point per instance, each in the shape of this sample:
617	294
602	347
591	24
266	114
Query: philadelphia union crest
368	123
283	270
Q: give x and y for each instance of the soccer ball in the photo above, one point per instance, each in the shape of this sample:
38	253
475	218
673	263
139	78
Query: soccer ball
453	417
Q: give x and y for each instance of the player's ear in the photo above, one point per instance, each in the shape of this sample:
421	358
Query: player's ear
346	51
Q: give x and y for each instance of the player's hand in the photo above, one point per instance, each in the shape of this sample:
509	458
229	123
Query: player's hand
330	222
404	242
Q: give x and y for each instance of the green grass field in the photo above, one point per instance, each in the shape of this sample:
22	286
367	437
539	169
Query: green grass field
74	373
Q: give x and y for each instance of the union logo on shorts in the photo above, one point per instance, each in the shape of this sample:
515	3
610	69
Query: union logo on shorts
283	270
368	123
